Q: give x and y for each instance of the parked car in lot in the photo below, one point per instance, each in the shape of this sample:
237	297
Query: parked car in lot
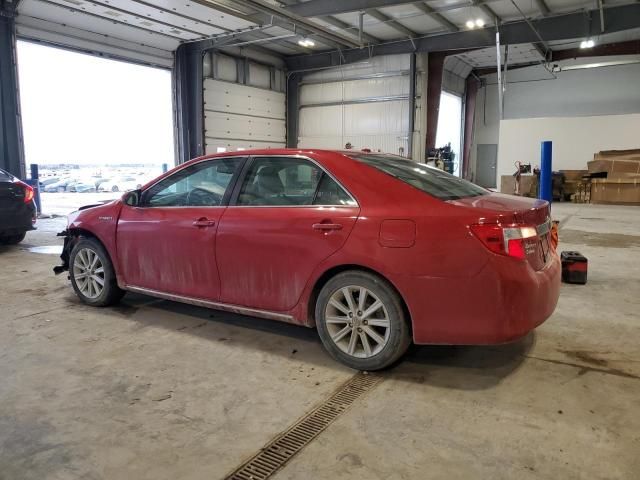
121	184
374	250
60	186
17	209
82	186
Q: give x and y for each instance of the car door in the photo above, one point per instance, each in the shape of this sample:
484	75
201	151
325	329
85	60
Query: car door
285	217
167	242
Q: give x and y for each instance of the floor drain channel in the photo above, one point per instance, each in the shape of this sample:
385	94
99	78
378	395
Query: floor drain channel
279	451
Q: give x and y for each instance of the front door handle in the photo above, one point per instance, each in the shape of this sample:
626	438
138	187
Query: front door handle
204	222
327	226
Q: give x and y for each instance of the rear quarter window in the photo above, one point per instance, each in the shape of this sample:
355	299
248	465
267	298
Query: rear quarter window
430	180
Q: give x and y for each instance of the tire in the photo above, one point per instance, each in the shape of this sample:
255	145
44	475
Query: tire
351	328
91	292
114	188
13	239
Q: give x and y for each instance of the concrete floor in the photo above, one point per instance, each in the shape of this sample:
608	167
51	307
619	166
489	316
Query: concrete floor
157	390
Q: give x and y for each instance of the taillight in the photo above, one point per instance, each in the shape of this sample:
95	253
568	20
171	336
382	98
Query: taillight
28	191
505	240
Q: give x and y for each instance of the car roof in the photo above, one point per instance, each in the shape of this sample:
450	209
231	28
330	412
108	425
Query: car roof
277	151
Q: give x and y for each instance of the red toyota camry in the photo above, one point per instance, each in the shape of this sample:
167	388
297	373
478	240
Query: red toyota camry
374	250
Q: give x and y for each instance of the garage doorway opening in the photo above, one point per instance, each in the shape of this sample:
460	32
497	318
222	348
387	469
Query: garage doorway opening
96	127
450	126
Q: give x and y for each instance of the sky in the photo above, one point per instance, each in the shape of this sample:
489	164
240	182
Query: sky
78	108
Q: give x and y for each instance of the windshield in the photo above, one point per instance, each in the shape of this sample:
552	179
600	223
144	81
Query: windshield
430	180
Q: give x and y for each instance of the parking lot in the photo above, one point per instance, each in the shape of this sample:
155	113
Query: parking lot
154	389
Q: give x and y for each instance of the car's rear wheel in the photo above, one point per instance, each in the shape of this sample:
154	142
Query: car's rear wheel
361	321
114	188
92	275
13	239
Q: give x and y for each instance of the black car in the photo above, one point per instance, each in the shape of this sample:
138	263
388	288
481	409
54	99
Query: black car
17	209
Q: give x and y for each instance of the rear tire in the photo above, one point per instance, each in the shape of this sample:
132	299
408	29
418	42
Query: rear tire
361	321
92	274
13	239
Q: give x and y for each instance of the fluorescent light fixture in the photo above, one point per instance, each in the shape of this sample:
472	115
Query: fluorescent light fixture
479	23
471	24
221	150
587	43
306	42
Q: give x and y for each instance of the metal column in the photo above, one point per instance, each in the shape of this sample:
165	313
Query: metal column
293	109
189	102
11	141
412	105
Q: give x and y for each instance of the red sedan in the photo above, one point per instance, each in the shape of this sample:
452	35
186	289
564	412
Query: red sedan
374	250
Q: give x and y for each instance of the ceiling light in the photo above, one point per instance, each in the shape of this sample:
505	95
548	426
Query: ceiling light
587	44
471	24
479	23
306	42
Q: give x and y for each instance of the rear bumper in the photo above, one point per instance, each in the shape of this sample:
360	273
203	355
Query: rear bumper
14	223
503	302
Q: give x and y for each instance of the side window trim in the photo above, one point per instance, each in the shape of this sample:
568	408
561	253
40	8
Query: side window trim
227	194
233	201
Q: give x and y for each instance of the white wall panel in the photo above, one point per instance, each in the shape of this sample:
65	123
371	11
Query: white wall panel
354	90
227	68
379	126
236	98
239	116
385	63
592	99
231	125
259	75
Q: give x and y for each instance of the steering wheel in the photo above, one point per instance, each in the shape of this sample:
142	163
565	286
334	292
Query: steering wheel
199	197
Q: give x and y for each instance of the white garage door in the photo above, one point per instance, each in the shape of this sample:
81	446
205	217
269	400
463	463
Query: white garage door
242	117
365	104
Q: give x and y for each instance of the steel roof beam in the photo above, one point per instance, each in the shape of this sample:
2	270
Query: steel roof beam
542	6
557	27
318	8
397	26
438	17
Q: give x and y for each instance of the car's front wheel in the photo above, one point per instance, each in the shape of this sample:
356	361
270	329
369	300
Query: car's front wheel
361	321
92	275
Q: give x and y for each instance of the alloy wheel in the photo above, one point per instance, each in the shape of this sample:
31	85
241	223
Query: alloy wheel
357	321
88	273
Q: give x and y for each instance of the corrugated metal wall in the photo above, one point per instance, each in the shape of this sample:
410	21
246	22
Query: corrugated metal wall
249	114
365	104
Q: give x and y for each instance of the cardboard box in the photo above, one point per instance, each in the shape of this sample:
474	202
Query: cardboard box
528	184
574	175
615	191
633	155
614	166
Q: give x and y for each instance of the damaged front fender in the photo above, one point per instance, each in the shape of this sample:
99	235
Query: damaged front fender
69	241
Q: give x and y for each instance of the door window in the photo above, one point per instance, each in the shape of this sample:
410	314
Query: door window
201	185
285	181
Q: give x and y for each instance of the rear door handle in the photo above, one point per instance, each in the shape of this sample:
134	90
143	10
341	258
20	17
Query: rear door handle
327	226
204	222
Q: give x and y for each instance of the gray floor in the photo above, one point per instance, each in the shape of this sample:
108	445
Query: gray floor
157	390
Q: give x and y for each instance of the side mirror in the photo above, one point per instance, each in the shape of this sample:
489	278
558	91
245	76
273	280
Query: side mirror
132	198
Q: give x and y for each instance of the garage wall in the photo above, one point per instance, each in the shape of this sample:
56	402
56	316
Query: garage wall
582	111
244	105
366	104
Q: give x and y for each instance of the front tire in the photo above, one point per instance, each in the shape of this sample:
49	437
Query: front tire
361	321
92	275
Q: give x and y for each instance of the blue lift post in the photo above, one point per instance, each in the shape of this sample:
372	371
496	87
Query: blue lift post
545	192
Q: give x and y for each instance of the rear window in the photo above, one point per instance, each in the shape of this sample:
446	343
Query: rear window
430	180
4	176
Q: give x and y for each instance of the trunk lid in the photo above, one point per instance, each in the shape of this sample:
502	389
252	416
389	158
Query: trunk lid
512	210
